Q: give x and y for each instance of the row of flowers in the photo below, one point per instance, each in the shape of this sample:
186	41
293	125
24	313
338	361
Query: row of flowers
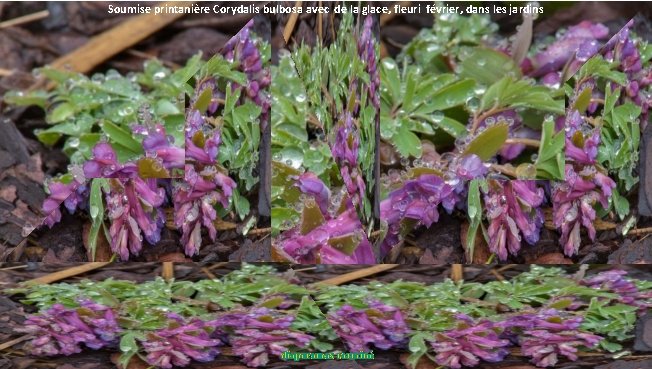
546	332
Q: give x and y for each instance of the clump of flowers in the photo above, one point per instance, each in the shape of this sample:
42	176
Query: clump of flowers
380	325
62	331
584	184
335	233
325	235
192	179
258	334
549	334
255	314
615	281
513	211
205	183
469	343
180	343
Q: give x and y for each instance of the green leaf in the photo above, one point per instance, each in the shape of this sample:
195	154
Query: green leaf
96	210
60	113
511	93
121	137
550	159
407	143
620	204
47	138
475	216
452	95
488	142
487	66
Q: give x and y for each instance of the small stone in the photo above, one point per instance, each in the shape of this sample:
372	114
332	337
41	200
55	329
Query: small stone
643	342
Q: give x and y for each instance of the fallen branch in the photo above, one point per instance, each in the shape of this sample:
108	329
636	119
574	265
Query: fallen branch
67	273
361	273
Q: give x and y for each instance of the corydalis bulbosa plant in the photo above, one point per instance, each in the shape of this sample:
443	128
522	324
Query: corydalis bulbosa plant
228	104
327	145
257	314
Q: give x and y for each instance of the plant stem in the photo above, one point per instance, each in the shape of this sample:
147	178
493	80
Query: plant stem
524	141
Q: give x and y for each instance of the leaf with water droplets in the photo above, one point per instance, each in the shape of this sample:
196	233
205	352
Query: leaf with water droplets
346	244
204	99
488	142
97	212
122	137
487	66
151	168
311	217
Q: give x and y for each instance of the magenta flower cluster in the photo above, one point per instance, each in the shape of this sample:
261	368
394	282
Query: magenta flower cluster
258	334
513	211
380	325
62	331
584	184
469	343
180	343
319	245
614	281
548	334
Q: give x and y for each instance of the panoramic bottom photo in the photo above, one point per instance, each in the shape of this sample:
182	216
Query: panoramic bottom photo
237	315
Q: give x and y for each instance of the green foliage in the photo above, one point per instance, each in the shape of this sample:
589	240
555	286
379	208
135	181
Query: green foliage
427	308
311	90
452	36
550	159
80	109
413	102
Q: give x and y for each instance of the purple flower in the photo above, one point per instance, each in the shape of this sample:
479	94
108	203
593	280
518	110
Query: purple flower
202	148
158	145
469	343
321	243
548	334
579	41
310	184
180	343
573	202
194	201
468	167
380	325
546	347
367	52
513	209
133	209
61	331
615	281
621	48
417	199
259	333
344	148
104	164
205	182
581	146
72	194
242	49
315	246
